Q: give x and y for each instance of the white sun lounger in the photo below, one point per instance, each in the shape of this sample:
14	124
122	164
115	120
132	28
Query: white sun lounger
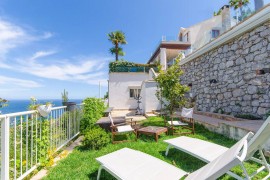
207	151
129	164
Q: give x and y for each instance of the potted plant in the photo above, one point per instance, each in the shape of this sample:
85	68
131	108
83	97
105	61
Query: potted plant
64	98
70	105
43	109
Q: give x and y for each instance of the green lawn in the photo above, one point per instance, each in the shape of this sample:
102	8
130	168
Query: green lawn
81	164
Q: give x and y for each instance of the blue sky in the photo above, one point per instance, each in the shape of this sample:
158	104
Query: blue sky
47	46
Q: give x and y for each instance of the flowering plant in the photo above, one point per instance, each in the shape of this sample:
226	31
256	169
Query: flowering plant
3	102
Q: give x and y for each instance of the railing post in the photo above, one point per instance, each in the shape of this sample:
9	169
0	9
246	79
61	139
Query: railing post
5	149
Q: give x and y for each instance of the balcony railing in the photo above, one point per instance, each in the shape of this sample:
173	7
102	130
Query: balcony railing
27	140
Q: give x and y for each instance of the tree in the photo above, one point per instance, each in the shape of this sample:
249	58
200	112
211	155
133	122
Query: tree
217	13
239	4
117	38
3	103
171	92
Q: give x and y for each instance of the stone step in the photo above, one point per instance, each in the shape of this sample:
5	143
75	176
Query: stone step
150	115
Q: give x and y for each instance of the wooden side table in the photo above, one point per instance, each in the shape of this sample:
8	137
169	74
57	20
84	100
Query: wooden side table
152	130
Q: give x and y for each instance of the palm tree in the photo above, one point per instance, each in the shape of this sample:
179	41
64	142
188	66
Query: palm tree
239	4
119	51
117	38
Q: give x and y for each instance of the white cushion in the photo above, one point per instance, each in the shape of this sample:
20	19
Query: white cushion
125	128
177	123
129	164
188	113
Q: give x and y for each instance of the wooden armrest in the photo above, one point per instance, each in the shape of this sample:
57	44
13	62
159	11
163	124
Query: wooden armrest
120	124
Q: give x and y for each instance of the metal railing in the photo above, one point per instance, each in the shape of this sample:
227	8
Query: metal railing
28	140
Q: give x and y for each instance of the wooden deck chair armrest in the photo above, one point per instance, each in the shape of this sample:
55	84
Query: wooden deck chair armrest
113	127
131	120
120	124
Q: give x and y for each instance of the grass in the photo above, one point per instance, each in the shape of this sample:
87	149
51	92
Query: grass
81	163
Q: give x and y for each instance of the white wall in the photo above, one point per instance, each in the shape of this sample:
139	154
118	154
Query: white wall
119	89
149	99
201	34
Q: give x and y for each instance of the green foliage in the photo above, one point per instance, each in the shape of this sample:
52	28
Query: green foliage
106	95
3	103
219	110
268	113
171	92
96	138
64	96
247	116
92	111
238	3
126	66
217	13
34	104
84	159
44	142
120	51
117	38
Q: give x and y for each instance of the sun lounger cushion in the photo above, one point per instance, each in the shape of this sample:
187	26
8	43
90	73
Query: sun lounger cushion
203	150
130	164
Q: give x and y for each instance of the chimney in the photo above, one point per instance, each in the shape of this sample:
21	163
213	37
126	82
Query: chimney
226	17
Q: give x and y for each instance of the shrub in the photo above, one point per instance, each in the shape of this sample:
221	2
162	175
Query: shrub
96	138
116	66
92	111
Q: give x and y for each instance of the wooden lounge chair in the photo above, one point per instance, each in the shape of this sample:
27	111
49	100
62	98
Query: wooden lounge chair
207	151
129	164
185	121
120	129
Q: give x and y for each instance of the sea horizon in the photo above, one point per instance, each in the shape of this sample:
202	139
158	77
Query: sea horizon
19	105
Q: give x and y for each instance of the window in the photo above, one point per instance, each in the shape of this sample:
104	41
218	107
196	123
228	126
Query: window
134	93
215	33
186	37
181	37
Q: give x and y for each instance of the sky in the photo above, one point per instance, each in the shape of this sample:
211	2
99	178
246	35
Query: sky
47	46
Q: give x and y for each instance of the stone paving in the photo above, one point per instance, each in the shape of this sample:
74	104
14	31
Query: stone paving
249	125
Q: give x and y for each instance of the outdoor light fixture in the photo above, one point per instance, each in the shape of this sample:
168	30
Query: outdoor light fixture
262	71
213	81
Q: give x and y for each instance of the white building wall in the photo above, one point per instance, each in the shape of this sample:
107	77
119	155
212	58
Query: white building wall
149	99
119	84
201	33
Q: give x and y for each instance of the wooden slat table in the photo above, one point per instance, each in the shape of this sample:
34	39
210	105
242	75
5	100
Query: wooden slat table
152	130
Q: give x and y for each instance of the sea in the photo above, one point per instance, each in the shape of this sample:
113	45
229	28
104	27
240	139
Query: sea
22	105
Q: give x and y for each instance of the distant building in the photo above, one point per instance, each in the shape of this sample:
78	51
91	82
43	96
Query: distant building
125	84
192	38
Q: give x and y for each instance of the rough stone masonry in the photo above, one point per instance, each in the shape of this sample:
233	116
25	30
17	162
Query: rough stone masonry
225	78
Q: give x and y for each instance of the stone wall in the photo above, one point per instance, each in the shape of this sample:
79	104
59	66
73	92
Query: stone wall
238	89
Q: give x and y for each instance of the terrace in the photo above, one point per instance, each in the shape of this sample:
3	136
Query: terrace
37	142
30	142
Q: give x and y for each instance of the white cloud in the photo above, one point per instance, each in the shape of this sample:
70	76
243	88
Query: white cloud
41	63
4	80
88	70
40	54
10	36
47	35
